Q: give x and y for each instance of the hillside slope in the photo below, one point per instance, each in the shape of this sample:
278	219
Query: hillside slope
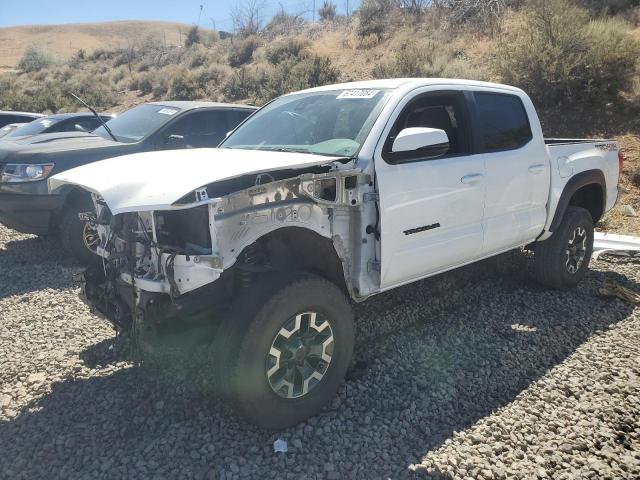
64	40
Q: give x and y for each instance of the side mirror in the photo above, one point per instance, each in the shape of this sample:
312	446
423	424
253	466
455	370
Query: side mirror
420	142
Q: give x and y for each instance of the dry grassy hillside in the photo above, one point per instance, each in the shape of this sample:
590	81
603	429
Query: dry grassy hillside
65	40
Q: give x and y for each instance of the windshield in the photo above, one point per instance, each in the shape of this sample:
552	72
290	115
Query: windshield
334	122
138	122
33	128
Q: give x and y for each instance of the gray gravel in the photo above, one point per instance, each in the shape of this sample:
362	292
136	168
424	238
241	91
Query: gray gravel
474	374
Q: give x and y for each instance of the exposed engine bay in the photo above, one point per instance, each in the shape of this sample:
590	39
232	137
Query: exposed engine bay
167	266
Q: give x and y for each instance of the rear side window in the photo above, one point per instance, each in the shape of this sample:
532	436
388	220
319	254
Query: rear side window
502	122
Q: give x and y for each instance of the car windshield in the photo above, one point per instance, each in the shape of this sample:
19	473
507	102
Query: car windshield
138	122
333	122
33	128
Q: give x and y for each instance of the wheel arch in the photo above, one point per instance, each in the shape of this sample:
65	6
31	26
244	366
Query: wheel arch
298	248
587	190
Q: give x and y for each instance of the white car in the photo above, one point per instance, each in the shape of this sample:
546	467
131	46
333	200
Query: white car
329	195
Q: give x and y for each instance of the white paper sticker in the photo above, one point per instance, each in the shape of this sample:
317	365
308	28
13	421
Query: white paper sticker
46	123
168	111
360	93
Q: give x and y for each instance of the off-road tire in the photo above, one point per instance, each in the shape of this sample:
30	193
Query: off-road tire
246	335
71	233
550	256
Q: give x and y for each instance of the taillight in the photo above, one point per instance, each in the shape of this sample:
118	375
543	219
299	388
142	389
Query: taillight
620	162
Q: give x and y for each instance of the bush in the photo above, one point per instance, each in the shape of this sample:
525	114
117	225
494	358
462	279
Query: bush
297	74
242	84
145	83
374	18
610	7
242	52
327	11
34	59
480	12
182	86
193	37
284	24
288	48
557	55
427	61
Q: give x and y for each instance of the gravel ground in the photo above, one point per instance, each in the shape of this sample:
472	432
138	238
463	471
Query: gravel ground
478	373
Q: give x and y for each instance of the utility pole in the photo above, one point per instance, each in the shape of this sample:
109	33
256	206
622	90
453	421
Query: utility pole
314	11
200	14
213	22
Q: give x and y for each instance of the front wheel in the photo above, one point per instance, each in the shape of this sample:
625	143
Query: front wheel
288	346
79	238
562	260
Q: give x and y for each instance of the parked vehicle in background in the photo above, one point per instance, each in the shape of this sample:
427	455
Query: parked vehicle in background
17	117
10	127
60	122
337	192
27	205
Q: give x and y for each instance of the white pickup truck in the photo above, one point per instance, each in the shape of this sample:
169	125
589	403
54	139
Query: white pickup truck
329	195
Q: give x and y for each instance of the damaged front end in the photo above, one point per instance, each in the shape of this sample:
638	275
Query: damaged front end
161	270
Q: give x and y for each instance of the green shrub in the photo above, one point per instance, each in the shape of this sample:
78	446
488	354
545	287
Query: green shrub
242	84
284	23
193	37
557	55
297	74
327	11
427	61
183	87
145	83
374	18
34	59
291	47
242	52
479	12
610	7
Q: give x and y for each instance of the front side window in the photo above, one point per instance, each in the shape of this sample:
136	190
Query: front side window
502	122
441	110
334	122
138	122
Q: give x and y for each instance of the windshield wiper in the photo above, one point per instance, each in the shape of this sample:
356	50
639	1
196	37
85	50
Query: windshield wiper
104	124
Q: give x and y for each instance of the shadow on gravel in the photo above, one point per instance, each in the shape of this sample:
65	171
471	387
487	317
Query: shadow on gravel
457	360
33	264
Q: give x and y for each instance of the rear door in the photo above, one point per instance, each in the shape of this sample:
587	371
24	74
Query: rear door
431	210
517	170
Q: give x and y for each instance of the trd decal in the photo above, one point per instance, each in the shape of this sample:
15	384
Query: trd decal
421	229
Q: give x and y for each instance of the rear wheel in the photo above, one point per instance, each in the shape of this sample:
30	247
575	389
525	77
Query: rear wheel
79	238
562	260
285	349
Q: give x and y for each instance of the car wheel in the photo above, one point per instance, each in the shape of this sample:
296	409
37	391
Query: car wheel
562	260
289	342
79	238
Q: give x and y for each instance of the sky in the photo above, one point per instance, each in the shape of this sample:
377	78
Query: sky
35	12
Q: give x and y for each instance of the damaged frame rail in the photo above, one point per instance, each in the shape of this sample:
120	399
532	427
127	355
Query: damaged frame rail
145	258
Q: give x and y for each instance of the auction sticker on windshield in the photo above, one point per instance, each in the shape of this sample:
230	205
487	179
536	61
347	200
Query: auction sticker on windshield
360	93
168	111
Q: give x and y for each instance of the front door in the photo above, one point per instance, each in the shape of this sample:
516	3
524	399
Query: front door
431	210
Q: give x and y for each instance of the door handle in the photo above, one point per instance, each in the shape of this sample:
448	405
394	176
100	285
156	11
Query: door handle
536	168
471	178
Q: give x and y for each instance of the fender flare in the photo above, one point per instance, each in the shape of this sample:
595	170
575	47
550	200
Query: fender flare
582	179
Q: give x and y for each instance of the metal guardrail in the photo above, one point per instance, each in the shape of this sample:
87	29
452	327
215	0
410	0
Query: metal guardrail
624	245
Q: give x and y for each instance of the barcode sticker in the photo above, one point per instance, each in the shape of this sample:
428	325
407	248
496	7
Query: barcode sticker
360	93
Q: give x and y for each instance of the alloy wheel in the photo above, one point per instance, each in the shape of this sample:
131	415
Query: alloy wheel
300	355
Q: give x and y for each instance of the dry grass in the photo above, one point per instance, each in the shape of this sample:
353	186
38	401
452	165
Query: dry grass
64	40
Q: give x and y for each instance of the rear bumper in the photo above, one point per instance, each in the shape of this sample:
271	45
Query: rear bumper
29	213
